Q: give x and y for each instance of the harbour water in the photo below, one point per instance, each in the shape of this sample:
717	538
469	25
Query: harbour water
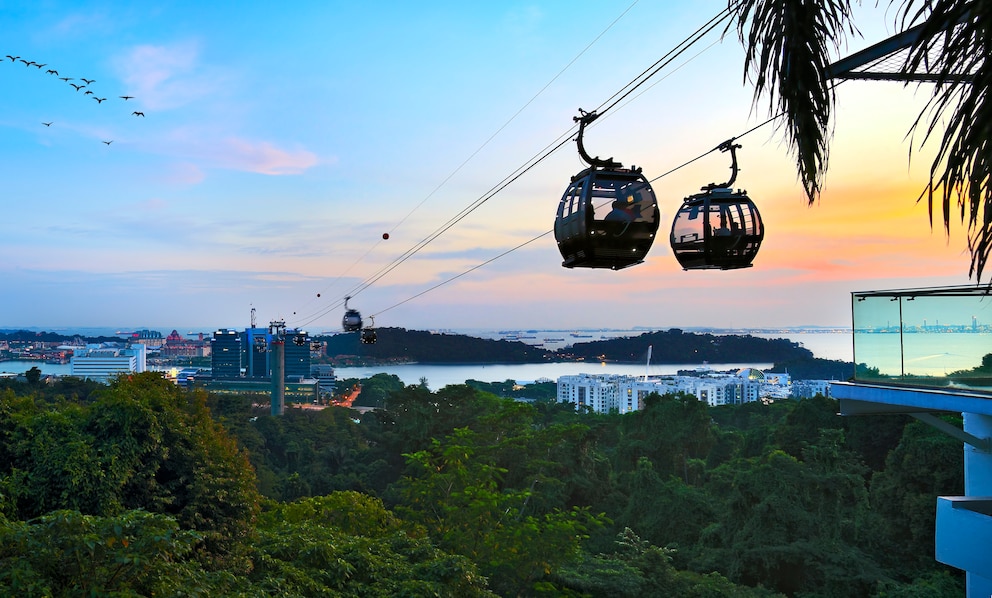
826	345
439	376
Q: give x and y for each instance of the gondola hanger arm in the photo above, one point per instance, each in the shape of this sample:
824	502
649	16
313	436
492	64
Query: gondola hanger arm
583	119
727	146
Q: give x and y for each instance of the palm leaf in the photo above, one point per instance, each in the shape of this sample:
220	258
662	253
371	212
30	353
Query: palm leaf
787	45
961	105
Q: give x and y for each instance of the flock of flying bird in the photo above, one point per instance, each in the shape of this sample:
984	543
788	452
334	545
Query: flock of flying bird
85	84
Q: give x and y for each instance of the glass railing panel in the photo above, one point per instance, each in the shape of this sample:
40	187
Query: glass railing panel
927	337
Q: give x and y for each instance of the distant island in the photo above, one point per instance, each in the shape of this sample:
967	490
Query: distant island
674	346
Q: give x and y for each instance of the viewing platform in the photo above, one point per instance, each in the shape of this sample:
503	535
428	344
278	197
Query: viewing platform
924	352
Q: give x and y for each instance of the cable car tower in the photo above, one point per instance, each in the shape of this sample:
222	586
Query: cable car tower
608	215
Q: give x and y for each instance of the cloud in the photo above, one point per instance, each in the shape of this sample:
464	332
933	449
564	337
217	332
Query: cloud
184	173
264	158
161	77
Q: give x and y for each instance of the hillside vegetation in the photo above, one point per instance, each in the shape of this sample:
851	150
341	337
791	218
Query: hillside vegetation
673	346
142	488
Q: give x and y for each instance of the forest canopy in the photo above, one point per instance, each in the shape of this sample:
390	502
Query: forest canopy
142	488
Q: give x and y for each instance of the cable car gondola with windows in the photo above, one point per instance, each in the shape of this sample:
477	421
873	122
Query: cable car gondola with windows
608	216
719	228
352	320
368	333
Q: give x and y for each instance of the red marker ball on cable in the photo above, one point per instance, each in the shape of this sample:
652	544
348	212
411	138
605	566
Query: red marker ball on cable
385	235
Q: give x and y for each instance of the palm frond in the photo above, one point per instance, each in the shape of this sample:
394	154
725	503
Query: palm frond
961	106
787	45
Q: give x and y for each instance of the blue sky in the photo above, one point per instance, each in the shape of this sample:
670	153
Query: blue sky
280	143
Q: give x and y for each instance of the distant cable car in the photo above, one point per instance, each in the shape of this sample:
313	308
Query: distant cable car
719	228
368	333
352	320
608	215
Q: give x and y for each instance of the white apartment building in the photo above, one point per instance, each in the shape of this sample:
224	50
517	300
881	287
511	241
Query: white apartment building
102	362
598	392
603	393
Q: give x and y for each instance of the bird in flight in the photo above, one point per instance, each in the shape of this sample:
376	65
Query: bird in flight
136	113
67	78
48	124
109	142
99	100
87	92
40	65
13	58
125	98
78	87
88	81
52	72
27	62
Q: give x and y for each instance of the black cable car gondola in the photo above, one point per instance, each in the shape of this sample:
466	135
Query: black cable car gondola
719	228
368	333
352	320
608	215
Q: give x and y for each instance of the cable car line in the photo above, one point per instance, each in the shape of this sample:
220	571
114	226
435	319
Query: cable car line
534	161
630	87
612	102
476	152
546	233
470	270
664	61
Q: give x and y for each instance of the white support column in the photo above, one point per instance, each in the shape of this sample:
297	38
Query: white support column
978	482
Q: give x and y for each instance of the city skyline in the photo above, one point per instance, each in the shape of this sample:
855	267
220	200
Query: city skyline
275	149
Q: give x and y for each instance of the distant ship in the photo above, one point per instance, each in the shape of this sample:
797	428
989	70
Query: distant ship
577	335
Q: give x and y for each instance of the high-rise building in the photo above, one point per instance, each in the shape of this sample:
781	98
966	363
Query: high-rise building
225	354
255	352
297	355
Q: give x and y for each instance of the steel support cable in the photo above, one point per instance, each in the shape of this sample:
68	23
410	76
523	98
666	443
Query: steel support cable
654	69
664	61
470	270
546	233
618	97
484	144
767	121
462	215
534	161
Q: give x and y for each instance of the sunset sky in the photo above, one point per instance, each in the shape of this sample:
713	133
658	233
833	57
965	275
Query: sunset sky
279	143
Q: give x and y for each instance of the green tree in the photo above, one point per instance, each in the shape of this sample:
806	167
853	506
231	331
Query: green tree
671	431
144	443
349	544
33	375
135	553
458	496
926	464
376	390
792	525
788	46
